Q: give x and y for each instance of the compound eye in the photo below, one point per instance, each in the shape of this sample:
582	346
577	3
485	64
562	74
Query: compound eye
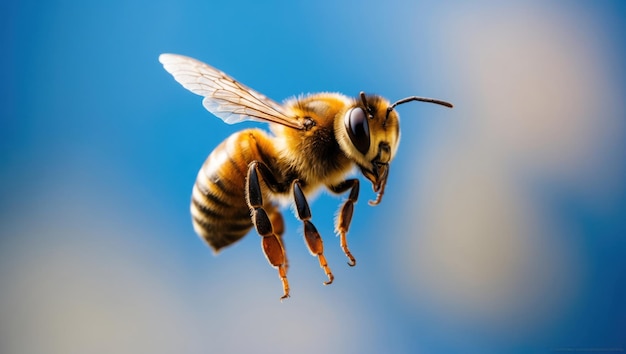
358	129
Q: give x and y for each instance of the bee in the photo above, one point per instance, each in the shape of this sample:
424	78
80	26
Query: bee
316	141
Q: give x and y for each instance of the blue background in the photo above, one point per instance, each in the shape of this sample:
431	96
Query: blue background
503	224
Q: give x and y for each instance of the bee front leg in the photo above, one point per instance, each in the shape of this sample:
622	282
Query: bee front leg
311	236
345	215
270	240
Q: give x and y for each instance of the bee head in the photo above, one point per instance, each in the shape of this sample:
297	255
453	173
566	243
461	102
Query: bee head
369	134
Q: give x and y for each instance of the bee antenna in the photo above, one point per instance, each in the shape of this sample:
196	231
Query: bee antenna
417	98
367	108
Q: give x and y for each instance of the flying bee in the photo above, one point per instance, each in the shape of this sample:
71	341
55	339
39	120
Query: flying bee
316	141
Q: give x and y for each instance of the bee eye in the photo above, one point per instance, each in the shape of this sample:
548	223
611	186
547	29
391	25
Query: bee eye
358	129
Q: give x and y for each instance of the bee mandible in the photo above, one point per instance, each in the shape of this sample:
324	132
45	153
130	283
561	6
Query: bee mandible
316	141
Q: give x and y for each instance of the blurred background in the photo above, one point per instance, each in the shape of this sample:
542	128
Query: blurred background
503	226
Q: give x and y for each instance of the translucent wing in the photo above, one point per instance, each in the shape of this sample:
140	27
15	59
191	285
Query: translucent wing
224	96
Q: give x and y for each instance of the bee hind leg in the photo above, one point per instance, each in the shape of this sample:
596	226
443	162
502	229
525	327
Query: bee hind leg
278	223
345	214
312	237
271	240
275	254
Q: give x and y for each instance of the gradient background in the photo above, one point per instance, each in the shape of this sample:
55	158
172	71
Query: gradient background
502	228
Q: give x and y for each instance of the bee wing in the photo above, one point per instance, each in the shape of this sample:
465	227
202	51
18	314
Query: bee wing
225	97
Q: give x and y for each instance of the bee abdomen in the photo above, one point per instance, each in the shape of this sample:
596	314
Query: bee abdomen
219	211
220	225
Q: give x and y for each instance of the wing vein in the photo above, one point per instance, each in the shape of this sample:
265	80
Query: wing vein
224	96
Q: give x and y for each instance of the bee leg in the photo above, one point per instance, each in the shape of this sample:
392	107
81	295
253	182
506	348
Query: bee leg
312	237
278	223
345	215
275	254
270	241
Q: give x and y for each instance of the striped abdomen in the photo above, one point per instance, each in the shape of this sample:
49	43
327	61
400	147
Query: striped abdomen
218	205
